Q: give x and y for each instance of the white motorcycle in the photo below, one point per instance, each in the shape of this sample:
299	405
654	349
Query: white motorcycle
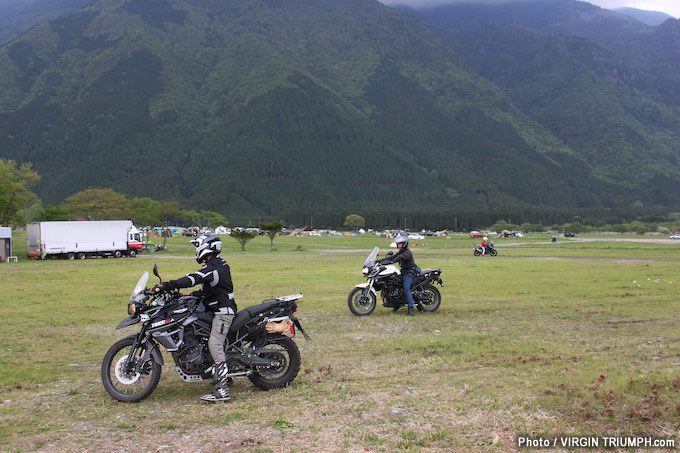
387	279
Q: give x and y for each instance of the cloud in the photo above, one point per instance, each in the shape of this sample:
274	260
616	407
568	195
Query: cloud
427	3
671	7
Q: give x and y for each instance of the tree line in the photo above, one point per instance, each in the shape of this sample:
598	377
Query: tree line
18	205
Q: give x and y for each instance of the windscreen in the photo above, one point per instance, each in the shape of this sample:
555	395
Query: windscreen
371	257
141	285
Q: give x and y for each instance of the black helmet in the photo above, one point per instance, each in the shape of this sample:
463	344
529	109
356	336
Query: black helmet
206	244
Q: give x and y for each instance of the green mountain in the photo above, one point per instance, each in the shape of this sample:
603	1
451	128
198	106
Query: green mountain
17	16
610	92
291	108
652	18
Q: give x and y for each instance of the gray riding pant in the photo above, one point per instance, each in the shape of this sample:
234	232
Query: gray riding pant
218	334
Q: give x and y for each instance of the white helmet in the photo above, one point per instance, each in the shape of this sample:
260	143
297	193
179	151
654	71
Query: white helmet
401	240
206	244
486	238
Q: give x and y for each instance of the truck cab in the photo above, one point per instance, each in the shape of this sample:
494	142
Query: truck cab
135	244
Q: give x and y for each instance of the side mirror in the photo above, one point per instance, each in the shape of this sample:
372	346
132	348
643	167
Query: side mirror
155	272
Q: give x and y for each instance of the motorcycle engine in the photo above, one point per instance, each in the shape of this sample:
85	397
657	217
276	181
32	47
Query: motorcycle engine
193	356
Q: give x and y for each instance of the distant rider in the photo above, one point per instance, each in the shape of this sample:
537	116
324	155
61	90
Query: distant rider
485	245
408	268
218	296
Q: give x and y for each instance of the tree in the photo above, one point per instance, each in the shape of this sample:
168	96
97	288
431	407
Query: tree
171	212
243	236
53	213
145	211
32	212
272	229
574	227
98	204
621	228
499	226
15	182
355	221
212	219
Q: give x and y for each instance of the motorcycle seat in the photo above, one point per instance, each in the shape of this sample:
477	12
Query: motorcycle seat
429	271
245	315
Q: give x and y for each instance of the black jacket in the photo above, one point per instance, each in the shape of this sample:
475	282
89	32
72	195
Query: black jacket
218	289
404	257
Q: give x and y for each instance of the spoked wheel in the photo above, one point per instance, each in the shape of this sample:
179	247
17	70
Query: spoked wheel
493	252
429	298
129	385
287	355
359	303
477	252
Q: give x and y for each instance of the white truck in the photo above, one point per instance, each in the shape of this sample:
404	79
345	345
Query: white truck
82	239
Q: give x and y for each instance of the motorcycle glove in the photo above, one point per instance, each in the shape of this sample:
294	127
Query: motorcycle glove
161	287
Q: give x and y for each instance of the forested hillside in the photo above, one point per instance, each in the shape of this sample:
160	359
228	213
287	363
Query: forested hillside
295	108
17	16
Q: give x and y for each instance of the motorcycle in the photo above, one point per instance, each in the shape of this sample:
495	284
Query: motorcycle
259	344
362	300
477	249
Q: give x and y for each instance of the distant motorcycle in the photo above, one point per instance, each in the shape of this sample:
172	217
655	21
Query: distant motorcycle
477	249
258	345
362	300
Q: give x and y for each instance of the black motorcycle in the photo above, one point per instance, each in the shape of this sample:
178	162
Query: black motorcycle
491	249
387	279
258	345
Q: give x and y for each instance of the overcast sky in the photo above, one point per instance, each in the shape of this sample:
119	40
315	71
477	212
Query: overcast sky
671	7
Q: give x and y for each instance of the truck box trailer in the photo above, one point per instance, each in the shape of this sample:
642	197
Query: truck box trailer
82	239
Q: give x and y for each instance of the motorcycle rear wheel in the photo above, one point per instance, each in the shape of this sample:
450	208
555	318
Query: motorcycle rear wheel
128	387
430	299
359	303
287	353
477	252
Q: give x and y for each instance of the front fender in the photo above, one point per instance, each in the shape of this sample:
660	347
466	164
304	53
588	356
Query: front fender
153	351
365	285
128	322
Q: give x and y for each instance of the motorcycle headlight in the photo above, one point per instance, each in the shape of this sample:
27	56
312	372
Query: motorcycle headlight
131	309
364	270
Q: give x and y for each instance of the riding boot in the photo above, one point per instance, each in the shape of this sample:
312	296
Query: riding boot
410	311
215	378
221	392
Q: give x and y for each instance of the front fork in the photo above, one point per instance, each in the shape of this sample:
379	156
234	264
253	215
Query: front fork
368	289
151	351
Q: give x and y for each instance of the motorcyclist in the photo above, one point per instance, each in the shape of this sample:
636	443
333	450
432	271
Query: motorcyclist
485	244
218	296
408	268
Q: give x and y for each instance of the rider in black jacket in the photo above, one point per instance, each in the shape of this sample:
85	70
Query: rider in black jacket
408	268
218	296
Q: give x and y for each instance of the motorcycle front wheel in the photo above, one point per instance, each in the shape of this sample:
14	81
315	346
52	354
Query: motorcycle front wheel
285	351
429	298
493	252
359	303
133	385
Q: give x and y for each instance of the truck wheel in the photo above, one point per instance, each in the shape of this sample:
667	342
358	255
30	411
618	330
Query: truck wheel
80	256
69	256
132	253
117	254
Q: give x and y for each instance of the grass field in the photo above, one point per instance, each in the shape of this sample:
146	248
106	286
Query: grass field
575	338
